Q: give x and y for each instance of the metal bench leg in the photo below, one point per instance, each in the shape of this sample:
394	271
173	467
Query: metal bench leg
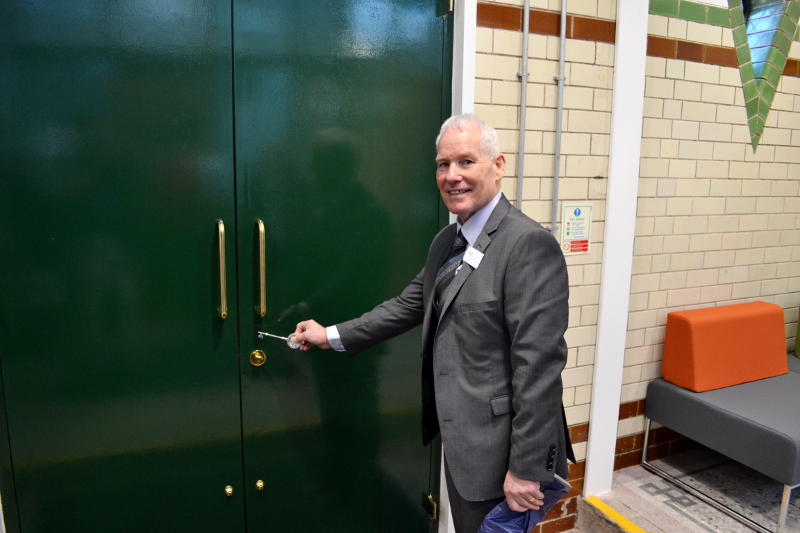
696	493
787	494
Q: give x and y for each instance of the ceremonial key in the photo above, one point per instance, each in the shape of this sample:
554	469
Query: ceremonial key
289	340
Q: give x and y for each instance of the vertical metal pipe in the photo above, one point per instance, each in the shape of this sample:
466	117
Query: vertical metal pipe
559	119
523	102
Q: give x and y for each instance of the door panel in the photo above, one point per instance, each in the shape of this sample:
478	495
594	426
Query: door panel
337	105
120	381
121	389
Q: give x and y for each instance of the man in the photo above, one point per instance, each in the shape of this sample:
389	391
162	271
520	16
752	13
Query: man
492	301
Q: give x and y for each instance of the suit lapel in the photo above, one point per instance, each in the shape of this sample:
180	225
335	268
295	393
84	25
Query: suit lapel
439	250
481	244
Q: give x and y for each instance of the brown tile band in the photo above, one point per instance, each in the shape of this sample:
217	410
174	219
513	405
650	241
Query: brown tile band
688	51
505	17
590	29
792	68
704	53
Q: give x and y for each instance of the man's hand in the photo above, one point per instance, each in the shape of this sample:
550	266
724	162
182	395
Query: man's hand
310	333
522	494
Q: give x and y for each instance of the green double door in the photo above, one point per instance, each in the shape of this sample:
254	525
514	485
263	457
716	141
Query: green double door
162	161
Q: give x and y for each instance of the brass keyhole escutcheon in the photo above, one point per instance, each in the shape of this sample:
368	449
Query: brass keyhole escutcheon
259	485
258	357
228	491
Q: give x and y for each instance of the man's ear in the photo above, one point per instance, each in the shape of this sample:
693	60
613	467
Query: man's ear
499	166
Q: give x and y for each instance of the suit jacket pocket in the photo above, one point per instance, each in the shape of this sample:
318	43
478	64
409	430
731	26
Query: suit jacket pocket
479	330
501	405
477	307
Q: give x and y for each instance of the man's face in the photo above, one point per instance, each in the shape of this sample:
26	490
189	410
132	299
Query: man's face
467	178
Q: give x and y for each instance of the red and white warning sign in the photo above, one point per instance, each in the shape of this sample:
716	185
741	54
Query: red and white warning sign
576	226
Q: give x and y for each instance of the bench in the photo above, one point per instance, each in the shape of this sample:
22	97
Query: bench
729	385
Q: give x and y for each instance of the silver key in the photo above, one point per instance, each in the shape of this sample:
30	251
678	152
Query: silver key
289	340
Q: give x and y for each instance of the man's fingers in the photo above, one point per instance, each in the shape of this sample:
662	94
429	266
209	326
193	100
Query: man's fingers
305	345
310	333
522	494
520	506
514	506
534	503
520	502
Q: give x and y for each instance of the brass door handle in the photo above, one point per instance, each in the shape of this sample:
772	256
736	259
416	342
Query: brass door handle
260	485
434	507
228	491
262	269
223	288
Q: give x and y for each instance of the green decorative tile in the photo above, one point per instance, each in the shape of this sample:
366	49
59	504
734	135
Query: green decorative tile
743	54
774	27
777	58
756	125
692	11
751	106
668	8
788	25
740	35
771	73
793	10
782	41
764	106
767	94
737	16
746	72
718	16
760	73
750	90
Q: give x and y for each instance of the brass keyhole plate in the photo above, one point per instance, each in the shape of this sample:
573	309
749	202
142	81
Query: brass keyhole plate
258	357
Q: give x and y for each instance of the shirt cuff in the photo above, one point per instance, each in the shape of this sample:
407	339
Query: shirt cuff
333	338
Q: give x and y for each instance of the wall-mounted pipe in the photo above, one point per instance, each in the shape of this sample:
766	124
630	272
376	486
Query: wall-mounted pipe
523	102
559	119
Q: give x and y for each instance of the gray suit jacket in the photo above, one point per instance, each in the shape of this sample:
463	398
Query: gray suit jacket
492	360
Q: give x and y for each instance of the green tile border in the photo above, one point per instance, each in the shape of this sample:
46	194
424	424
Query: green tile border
693	11
723	17
718	16
736	15
668	8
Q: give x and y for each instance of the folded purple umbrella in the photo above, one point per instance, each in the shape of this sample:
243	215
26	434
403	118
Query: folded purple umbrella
501	519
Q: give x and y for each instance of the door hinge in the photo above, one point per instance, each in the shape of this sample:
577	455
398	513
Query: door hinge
445	7
431	506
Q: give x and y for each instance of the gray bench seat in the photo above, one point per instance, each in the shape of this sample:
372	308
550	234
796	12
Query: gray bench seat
728	387
794	363
755	423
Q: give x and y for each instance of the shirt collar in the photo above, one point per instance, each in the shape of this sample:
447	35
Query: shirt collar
473	227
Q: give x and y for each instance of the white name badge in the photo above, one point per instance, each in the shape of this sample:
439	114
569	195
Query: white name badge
473	257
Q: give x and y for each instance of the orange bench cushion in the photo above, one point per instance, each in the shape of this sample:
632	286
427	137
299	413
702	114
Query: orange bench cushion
715	347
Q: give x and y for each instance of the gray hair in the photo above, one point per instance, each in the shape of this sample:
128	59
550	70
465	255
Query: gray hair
489	144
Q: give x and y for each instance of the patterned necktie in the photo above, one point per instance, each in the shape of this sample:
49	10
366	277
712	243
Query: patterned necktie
446	272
